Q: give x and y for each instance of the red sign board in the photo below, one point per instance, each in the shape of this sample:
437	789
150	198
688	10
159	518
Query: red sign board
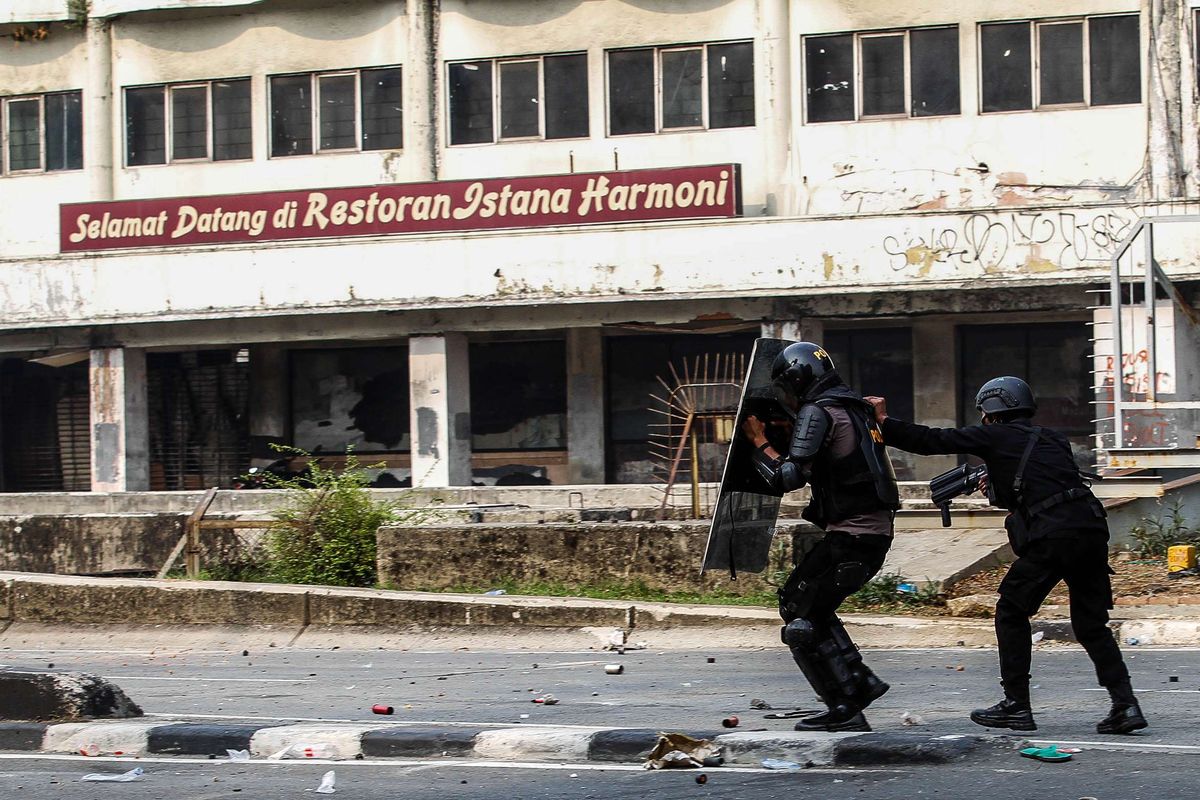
547	200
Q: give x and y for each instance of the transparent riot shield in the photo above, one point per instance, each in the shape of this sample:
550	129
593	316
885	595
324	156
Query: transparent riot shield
743	521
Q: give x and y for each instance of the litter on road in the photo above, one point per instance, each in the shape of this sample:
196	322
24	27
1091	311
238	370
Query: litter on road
327	781
1049	754
134	774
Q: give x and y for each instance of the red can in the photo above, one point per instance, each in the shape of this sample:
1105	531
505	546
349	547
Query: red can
730	722
379	708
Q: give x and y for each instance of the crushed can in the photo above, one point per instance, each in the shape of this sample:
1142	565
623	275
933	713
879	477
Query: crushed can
1180	557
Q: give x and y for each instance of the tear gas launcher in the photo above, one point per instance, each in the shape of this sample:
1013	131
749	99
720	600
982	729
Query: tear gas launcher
962	480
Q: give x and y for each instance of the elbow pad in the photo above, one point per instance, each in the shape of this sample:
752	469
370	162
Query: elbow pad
790	477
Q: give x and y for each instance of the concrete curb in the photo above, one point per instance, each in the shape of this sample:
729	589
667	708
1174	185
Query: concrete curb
349	741
37	599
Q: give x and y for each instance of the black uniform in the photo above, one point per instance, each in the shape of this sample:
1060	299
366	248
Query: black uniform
1057	529
836	448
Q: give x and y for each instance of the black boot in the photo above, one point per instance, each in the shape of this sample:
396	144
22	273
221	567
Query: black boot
868	687
1008	713
1125	715
839	718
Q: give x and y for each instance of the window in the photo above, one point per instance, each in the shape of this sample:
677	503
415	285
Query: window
188	122
681	88
889	74
41	133
336	111
1093	61
542	97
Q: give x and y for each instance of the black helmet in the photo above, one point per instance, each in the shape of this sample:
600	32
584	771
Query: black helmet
799	369
1001	396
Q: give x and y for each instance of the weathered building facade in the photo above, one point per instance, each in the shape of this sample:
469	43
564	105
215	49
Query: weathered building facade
466	237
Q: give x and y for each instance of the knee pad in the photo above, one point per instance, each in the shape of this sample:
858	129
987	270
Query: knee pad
799	633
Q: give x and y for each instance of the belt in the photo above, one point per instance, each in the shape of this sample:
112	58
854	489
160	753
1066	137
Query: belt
1054	500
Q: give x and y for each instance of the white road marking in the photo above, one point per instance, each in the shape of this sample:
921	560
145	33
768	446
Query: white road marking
1155	691
426	764
393	722
1107	745
206	680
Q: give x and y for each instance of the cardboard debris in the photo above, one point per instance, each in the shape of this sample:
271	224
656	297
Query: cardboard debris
680	751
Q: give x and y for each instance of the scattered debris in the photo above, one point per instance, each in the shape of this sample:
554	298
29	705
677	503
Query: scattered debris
680	751
730	722
546	700
238	755
614	669
779	763
701	779
1173	679
326	786
495	593
1037	637
711	660
89	750
909	718
1133	641
380	708
134	774
760	705
524	716
1049	754
301	750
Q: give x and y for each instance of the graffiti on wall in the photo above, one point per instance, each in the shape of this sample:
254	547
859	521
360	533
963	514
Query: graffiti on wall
1028	240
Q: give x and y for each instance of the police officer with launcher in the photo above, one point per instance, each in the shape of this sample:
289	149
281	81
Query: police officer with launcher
837	449
1057	529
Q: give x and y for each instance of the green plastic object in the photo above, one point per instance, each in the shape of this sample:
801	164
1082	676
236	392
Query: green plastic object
1050	754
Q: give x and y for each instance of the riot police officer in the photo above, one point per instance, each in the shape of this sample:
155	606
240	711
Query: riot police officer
837	449
1057	529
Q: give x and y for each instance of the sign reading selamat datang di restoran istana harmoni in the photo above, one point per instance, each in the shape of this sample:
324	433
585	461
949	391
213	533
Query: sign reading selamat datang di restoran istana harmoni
576	199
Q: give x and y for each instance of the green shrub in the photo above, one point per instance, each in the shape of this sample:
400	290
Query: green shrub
883	592
1155	535
325	533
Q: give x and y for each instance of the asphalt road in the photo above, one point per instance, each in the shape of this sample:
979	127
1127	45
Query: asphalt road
664	689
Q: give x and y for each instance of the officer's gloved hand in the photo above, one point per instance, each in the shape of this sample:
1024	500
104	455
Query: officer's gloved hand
880	406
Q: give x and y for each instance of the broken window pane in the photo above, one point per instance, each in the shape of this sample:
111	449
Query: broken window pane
935	78
337	112
566	96
145	126
882	75
631	92
1007	84
682	80
291	115
471	103
731	85
64	131
189	122
1115	48
24	134
519	112
829	69
382	109
231	119
1060	63
518	395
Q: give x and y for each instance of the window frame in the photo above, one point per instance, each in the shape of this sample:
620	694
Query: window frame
857	78
43	155
497	65
705	110
1035	65
6	135
168	90
314	86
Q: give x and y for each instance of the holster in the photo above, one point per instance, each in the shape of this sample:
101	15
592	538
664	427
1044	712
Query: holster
1018	532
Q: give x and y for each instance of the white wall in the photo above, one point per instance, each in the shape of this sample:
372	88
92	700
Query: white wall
896	164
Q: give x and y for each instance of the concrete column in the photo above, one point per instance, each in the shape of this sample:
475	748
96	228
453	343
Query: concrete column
585	405
797	330
935	382
99	121
120	420
422	86
440	399
268	402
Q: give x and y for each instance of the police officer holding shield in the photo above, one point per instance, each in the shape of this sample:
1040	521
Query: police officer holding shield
837	449
1058	531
